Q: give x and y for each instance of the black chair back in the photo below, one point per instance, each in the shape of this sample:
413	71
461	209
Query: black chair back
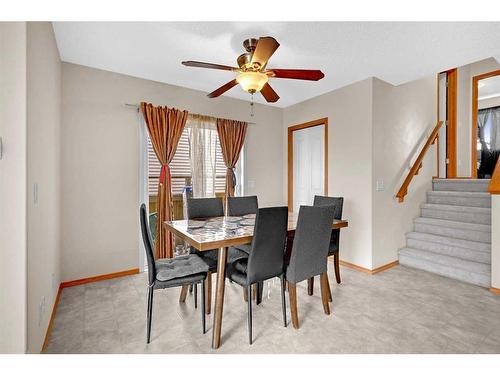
337	203
239	206
148	245
204	207
310	244
268	245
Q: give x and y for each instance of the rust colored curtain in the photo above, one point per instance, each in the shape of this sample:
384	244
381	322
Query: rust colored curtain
231	137
165	126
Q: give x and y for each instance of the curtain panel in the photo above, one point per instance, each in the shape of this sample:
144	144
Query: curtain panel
202	154
231	136
165	126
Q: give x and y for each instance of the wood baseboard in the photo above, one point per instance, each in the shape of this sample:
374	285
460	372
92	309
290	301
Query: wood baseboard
68	284
366	270
93	279
51	321
495	290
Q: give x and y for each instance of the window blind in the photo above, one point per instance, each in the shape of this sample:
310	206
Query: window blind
180	167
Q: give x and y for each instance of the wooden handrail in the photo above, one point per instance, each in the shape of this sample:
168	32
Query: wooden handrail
494	186
418	163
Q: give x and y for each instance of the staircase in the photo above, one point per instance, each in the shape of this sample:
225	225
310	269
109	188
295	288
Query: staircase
452	236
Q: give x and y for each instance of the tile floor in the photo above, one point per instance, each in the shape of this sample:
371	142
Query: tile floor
401	310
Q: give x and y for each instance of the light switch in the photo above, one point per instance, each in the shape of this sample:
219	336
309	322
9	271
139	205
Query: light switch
251	184
380	185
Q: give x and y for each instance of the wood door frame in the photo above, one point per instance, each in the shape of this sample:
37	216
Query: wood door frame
451	122
475	110
291	129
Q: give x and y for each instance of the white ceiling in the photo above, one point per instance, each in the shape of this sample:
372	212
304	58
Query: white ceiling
346	52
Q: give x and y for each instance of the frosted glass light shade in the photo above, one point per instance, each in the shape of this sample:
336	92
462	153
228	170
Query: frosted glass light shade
252	81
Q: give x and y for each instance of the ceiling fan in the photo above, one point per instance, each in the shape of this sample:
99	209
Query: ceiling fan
252	74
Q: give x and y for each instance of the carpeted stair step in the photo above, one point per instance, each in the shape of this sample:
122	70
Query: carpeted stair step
478	215
479	185
460	198
455	268
454	229
444	247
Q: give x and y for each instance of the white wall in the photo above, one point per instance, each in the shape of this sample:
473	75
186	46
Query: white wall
349	112
43	122
464	111
13	187
100	162
402	118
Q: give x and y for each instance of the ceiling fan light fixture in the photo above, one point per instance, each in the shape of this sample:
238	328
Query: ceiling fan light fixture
252	81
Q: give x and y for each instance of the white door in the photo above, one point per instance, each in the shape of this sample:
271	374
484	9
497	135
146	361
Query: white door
308	165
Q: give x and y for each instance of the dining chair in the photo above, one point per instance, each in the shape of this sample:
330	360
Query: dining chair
204	208
240	206
266	256
309	254
337	204
170	273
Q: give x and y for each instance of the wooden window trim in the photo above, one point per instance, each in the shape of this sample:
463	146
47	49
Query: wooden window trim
475	95
451	117
291	129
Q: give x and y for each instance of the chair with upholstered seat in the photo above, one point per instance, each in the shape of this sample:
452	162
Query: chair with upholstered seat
309	254
266	256
337	204
240	206
203	208
170	273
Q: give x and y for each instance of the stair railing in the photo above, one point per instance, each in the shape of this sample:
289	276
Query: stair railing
494	186
403	190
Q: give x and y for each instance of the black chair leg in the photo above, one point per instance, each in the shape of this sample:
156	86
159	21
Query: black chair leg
283	300
249	291
203	306
260	291
150	310
195	289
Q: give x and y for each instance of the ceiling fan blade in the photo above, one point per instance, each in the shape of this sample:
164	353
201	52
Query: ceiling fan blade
221	90
264	50
309	75
199	64
269	94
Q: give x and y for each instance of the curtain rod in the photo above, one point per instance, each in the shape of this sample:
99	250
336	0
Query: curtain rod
138	107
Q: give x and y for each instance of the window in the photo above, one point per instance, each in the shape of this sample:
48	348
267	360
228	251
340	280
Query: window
180	168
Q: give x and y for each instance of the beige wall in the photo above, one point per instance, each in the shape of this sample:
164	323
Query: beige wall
43	122
464	111
100	162
402	118
349	112
13	187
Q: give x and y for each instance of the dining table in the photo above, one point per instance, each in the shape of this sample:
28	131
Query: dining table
220	233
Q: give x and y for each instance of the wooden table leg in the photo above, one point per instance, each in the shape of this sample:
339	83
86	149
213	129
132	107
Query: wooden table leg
182	296
219	297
